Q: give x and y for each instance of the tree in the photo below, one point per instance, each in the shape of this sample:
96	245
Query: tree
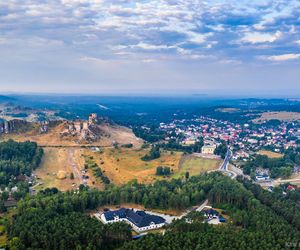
221	150
72	176
16	244
164	171
153	154
187	175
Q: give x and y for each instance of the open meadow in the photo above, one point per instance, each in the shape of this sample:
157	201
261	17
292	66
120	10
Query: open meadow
57	166
120	165
196	165
281	116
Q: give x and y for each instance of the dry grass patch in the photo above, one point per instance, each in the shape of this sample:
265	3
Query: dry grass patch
62	160
270	154
122	165
282	116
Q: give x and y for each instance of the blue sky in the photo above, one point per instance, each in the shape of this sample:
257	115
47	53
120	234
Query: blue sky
101	46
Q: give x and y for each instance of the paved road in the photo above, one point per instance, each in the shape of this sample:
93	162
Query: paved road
224	166
170	218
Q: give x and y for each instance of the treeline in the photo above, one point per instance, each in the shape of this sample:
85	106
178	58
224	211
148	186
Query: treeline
55	220
287	207
153	154
254	226
152	134
56	228
172	145
17	158
278	167
221	150
163	171
97	171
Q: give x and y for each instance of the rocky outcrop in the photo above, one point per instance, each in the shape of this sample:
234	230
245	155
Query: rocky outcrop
12	126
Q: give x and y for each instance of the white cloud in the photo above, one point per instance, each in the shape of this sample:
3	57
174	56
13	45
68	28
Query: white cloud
281	58
198	38
146	46
257	37
94	60
148	60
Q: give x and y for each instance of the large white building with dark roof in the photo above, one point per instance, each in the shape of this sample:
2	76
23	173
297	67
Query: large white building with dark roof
139	220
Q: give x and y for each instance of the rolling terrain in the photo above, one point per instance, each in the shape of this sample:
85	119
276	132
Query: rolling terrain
111	134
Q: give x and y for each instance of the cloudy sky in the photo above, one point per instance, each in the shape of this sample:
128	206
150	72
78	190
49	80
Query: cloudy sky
101	46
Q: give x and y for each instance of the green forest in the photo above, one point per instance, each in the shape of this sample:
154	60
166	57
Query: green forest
56	220
278	167
18	158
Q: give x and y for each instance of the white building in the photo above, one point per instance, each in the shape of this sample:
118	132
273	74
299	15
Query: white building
140	221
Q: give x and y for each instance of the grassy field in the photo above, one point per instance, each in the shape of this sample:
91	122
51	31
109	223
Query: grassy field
66	160
122	165
270	154
119	165
196	165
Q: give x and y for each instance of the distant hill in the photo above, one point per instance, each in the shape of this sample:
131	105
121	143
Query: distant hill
4	98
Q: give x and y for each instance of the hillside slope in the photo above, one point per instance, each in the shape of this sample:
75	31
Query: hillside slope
108	135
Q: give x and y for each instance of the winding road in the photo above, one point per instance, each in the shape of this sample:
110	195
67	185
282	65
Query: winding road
225	163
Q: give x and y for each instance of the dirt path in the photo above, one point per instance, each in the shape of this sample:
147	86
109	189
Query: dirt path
73	164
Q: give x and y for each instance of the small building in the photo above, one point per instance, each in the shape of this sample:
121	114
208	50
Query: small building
262	177
222	219
140	221
208	149
189	142
290	188
211	214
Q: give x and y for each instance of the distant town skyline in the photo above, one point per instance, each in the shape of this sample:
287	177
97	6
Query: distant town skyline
156	46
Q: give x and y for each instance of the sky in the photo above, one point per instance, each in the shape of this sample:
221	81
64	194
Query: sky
158	46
